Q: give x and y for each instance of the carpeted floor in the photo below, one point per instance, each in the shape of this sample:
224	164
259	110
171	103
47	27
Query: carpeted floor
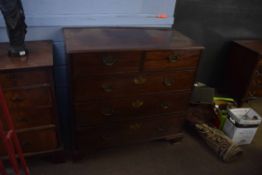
189	157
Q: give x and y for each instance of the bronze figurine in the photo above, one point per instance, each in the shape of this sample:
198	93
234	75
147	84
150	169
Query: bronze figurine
13	13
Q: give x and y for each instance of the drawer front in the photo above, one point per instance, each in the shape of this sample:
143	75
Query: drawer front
36	141
105	63
29	98
24	78
168	60
123	109
128	132
119	86
31	117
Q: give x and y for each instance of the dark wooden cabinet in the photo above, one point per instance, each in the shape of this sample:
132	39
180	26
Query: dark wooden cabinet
129	85
243	78
29	91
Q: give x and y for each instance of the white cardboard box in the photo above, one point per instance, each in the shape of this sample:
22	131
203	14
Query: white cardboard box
240	126
239	136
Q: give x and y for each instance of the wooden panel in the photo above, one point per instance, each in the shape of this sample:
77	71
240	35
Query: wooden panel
170	60
29	98
128	132
125	85
122	109
31	116
105	63
36	140
18	79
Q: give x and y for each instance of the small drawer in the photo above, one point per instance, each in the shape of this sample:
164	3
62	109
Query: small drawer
170	60
105	63
29	98
119	86
33	141
31	117
128	132
123	109
24	78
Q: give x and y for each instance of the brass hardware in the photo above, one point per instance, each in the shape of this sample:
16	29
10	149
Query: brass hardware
168	82
251	94
259	73
137	104
12	76
106	138
17	98
109	60
26	144
164	106
135	126
107	87
173	58
139	80
107	111
161	129
24	120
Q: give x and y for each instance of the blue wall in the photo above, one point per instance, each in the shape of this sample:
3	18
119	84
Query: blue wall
46	18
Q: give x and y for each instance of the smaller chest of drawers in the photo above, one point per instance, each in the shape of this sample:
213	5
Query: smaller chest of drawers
29	91
129	85
243	78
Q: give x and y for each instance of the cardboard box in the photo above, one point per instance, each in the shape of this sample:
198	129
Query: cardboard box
242	124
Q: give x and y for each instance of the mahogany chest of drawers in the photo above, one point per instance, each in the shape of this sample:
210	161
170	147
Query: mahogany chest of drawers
28	87
243	78
129	85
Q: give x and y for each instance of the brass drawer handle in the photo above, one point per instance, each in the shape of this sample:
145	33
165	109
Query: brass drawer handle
161	129
17	98
138	104
108	111
109	60
135	126
168	82
24	120
252	94
259	73
139	80
165	106
106	138
173	58
26	144
107	87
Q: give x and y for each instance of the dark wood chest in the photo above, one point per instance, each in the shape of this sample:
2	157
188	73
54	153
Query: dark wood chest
28	87
243	79
129	85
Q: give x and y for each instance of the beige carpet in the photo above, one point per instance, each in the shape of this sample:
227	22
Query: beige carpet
189	157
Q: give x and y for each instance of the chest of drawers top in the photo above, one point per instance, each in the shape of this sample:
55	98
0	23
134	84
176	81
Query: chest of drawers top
116	39
252	45
40	55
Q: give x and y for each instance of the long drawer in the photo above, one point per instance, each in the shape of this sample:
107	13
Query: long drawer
128	132
31	117
118	86
29	98
18	79
122	109
169	60
36	140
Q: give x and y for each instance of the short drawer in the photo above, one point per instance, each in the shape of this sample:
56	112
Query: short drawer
29	117
105	63
29	98
128	132
124	85
170	60
123	109
36	140
18	79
